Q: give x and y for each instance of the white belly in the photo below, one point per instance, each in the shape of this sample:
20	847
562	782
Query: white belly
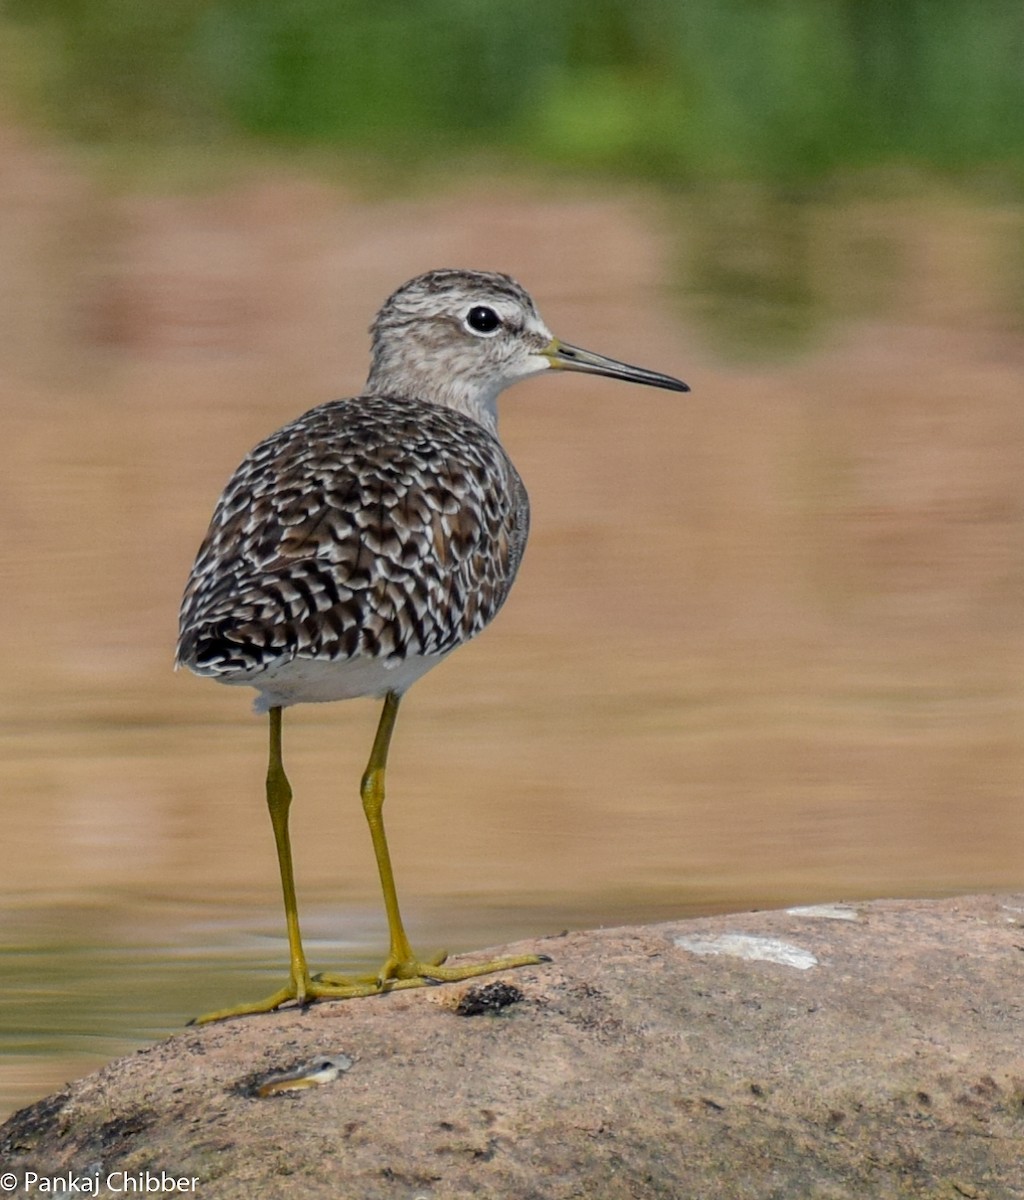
318	681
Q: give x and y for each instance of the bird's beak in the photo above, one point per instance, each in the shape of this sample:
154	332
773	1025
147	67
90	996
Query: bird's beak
572	358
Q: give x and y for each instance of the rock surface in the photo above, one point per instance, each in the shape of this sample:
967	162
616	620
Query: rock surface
870	1050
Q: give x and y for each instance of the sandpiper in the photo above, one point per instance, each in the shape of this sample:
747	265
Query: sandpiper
362	543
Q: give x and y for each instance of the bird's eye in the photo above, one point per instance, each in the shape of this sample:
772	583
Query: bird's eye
482	319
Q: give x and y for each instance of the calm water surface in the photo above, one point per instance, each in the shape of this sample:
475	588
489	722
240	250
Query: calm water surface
766	646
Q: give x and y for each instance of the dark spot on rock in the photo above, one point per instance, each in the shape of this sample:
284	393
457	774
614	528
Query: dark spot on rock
248	1086
922	1098
112	1133
586	991
27	1125
489	998
488	1154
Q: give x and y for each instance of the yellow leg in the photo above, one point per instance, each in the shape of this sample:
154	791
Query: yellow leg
401	967
279	802
299	986
372	792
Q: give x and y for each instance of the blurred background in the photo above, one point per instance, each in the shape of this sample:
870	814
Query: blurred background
767	643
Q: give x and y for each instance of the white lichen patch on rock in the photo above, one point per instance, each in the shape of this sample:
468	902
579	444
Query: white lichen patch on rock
826	912
744	945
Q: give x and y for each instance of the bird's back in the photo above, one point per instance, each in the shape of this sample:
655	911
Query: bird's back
377	528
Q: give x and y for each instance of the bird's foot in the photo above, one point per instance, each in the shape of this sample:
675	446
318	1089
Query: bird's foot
377	982
302	992
399	973
411	972
395	975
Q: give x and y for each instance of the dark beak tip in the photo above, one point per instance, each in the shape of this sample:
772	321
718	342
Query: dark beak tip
671	384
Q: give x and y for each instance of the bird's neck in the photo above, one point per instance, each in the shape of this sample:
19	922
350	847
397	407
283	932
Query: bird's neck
478	403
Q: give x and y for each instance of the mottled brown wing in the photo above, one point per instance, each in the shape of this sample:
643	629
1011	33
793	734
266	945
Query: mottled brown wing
376	527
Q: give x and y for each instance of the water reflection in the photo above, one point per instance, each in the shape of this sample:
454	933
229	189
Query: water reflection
766	644
750	270
769	270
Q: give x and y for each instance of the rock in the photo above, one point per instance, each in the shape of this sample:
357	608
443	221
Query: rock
870	1050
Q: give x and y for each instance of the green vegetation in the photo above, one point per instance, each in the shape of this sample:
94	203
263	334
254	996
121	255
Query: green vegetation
761	117
672	90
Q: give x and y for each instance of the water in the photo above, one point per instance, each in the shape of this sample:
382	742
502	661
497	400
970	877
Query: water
765	647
